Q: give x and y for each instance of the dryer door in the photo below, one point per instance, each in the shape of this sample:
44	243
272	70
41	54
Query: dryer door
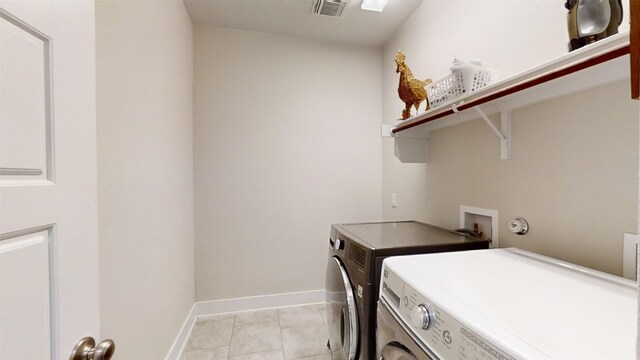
342	315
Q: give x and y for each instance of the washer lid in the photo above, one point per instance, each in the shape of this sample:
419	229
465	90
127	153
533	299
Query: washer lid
515	297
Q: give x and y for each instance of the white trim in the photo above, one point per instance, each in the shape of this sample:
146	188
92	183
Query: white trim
48	90
183	335
629	256
258	302
215	307
7	246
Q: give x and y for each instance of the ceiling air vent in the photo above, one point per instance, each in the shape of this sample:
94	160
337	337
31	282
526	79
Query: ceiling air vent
328	7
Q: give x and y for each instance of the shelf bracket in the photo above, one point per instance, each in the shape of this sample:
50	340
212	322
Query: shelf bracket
426	155
504	134
386	130
505	129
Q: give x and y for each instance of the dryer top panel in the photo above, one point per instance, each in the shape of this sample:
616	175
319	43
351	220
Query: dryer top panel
405	234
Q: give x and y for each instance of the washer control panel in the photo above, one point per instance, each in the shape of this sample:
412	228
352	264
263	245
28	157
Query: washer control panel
421	317
439	332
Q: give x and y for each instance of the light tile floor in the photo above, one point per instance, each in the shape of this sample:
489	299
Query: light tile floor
289	333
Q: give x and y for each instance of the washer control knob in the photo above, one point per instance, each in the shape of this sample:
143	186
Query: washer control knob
421	317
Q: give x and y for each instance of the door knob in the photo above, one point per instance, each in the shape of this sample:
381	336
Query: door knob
86	349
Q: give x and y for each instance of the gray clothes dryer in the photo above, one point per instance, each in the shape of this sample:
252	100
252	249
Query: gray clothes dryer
353	276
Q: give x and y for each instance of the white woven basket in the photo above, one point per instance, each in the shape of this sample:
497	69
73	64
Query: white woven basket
461	82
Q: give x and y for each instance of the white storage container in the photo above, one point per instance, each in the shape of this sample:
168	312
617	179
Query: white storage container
463	80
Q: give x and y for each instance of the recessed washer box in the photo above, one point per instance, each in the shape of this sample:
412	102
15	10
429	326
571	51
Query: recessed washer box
486	219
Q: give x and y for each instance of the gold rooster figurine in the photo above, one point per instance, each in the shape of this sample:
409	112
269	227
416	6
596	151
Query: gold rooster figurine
410	89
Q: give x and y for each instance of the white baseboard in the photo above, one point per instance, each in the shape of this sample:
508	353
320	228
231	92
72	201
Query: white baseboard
214	307
630	256
183	335
203	308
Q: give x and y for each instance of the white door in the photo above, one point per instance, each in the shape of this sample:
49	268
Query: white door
48	212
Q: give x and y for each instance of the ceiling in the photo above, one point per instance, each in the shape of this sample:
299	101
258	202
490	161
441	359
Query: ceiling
293	17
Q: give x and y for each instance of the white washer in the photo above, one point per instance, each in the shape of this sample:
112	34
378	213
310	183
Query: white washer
502	304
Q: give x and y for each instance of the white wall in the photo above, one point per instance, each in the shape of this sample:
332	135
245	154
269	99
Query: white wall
287	141
573	167
145	173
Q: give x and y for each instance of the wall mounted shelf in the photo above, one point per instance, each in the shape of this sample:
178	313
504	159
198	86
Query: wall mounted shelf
598	64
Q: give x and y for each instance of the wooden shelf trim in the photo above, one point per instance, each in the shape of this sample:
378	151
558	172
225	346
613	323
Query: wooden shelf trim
500	93
635	49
